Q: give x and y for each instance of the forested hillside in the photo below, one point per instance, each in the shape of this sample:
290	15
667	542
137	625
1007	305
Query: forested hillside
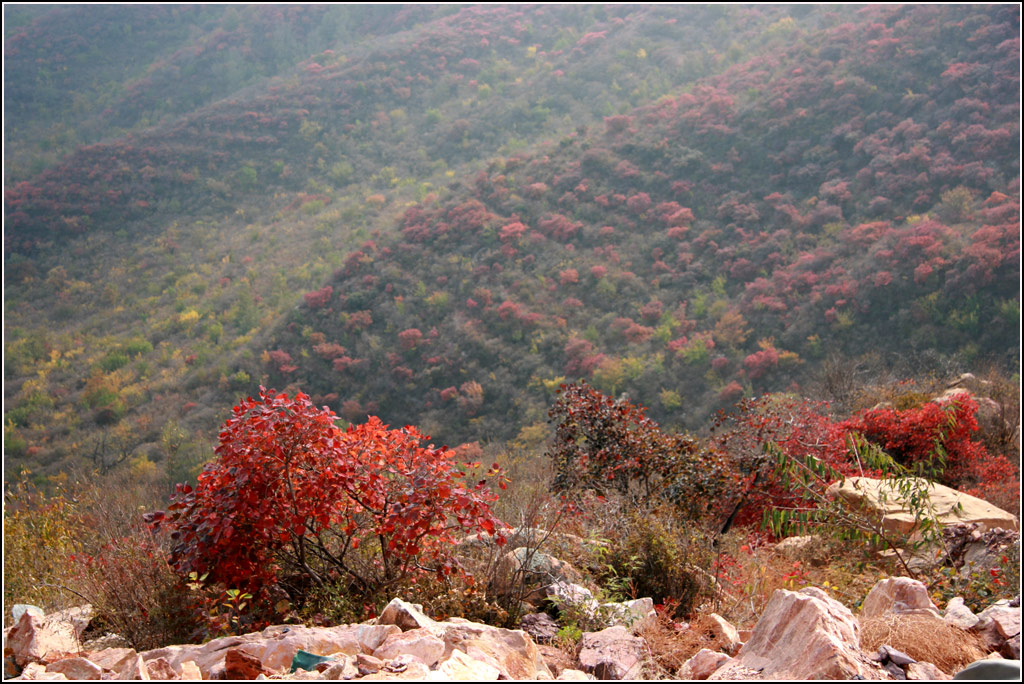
439	214
670	280
848	193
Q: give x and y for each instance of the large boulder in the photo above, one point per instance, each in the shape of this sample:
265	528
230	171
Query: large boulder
35	639
612	653
802	635
881	499
1006	622
897	595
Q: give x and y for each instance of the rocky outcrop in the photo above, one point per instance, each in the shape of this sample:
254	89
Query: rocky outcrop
802	635
951	507
406	644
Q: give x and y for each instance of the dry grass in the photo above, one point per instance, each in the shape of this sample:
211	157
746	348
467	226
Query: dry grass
671	648
922	637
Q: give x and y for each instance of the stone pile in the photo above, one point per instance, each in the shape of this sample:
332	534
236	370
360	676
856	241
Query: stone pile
406	644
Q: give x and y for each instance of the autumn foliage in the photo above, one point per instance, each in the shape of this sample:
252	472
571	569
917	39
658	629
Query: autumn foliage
292	497
609	445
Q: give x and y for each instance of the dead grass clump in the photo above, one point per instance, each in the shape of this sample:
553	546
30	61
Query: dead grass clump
923	638
670	648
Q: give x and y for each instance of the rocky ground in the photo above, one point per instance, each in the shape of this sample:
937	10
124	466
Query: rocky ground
404	643
899	633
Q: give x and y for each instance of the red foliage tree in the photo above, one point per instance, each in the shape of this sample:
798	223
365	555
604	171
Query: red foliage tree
291	494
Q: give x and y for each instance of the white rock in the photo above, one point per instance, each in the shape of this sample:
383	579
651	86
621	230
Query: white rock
419	643
959	615
460	667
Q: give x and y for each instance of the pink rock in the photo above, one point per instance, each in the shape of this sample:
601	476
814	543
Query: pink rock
925	672
76	668
612	653
190	671
135	670
727	635
405	615
703	663
803	635
113	659
512	651
36	672
36	639
419	643
897	595
159	670
240	665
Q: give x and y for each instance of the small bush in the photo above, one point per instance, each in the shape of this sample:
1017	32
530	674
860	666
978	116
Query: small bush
135	593
657	554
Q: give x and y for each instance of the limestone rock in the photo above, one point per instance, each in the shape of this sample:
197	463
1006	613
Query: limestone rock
723	632
461	668
19	609
958	614
78	617
999	626
897	595
570	675
511	651
343	668
190	672
802	635
952	507
368	664
612	653
402	668
36	672
420	643
404	615
36	639
926	672
796	547
703	663
565	597
1007	619
76	668
113	660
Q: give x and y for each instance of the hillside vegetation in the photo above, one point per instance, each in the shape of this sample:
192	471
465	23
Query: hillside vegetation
446	217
